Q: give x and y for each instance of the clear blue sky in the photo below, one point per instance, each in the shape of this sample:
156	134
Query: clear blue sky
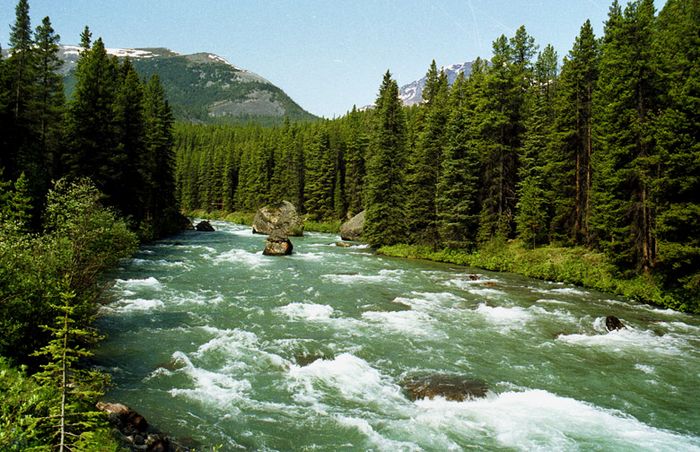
326	54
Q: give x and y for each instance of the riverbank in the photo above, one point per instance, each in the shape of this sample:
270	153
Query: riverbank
574	265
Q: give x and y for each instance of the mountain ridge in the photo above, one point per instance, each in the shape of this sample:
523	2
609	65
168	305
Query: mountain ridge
202	87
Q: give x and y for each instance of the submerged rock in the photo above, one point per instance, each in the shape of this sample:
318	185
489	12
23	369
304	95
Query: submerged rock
278	244
282	217
613	323
451	387
352	229
304	359
204	226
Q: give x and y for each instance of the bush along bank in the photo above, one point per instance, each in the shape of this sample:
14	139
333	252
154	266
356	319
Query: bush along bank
574	265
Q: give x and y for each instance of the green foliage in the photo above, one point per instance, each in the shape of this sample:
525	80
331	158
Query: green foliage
604	155
384	189
77	389
24	407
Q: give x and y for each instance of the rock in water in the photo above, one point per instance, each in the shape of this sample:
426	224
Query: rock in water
278	244
451	387
204	226
352	229
282	217
343	244
613	323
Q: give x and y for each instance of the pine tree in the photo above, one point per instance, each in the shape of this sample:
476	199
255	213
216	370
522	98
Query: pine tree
531	218
569	167
320	176
71	414
50	99
424	162
357	143
86	39
677	190
457	198
129	129
384	196
501	132
624	160
90	119
158	170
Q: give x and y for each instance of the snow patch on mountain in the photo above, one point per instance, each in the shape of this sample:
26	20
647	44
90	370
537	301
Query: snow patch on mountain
412	93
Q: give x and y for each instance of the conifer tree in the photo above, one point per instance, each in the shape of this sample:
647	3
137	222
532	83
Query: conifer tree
569	167
531	218
384	196
50	99
90	120
355	162
424	161
457	199
501	134
158	170
129	129
320	176
76	388
677	190
626	96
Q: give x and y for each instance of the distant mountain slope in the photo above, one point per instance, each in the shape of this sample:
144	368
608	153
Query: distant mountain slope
203	87
412	93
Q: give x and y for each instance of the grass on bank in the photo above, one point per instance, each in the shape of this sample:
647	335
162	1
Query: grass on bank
576	265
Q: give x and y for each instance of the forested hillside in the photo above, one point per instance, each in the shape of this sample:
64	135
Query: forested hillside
600	152
81	180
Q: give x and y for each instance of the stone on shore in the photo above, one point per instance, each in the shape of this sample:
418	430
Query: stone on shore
352	229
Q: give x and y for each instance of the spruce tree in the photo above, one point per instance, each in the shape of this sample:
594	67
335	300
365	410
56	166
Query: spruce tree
90	120
677	190
158	169
50	99
624	159
501	132
357	143
320	176
457	191
569	167
129	129
384	196
532	215
424	161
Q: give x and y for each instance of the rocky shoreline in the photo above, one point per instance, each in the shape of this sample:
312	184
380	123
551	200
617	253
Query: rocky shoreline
135	433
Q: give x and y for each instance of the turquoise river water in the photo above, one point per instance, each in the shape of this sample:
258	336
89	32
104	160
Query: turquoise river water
211	340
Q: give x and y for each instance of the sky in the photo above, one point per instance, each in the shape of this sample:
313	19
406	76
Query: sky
328	55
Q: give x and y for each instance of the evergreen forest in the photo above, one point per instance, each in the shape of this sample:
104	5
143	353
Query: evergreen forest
599	153
82	181
593	156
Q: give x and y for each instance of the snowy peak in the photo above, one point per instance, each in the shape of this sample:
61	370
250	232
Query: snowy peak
412	93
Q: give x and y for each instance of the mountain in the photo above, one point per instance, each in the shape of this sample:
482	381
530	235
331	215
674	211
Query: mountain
203	87
412	93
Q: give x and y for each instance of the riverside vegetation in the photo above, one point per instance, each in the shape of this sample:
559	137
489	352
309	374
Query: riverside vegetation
81	182
593	166
585	173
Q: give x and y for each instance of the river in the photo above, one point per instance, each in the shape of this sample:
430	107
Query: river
209	339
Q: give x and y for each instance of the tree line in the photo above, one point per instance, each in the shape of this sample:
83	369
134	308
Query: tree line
600	151
81	181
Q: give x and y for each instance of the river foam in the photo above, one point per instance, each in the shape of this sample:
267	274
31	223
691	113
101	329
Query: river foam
542	421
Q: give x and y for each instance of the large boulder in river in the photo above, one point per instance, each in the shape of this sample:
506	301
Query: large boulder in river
204	226
352	229
282	217
278	244
613	323
451	387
